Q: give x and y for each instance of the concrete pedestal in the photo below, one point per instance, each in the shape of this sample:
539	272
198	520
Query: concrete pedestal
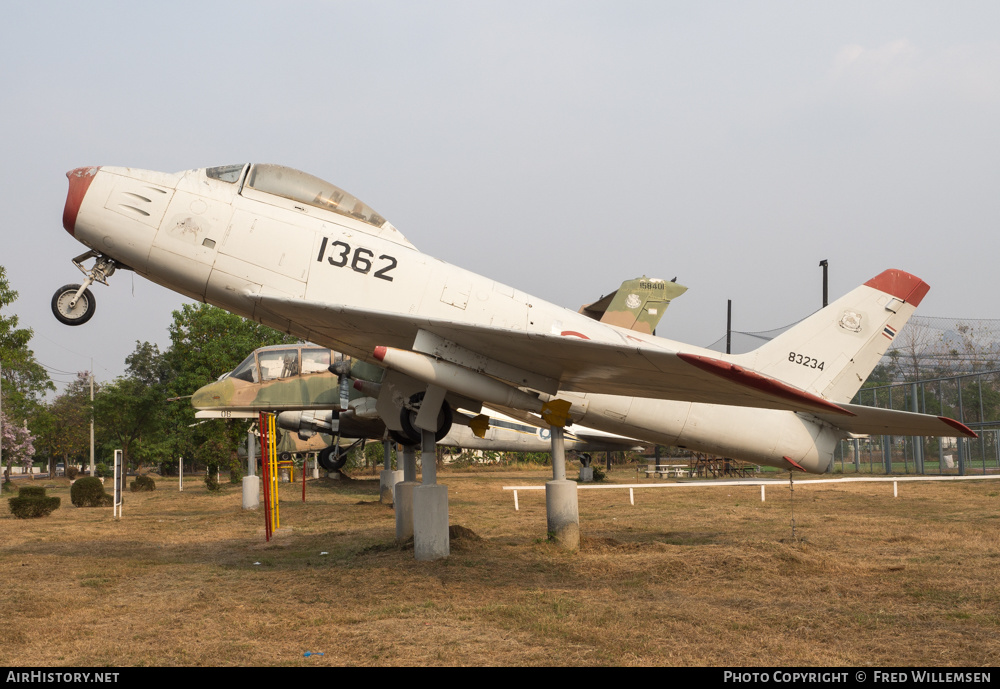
430	522
251	492
587	474
563	513
403	502
561	509
386	481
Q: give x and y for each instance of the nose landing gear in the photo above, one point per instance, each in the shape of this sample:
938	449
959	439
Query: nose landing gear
75	304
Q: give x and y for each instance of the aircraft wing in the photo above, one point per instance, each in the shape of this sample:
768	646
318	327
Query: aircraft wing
634	366
875	421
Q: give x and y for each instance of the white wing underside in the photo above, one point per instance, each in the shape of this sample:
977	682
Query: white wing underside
632	368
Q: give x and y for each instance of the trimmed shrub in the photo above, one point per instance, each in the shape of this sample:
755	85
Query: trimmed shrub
103	470
31	503
31	492
72	472
89	492
142	484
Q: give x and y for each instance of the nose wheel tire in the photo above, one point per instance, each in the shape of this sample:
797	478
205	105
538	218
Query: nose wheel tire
408	417
78	314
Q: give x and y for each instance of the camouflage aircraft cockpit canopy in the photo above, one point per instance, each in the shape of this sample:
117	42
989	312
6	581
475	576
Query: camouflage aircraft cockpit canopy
282	361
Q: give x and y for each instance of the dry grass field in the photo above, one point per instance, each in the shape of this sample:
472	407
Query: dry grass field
699	576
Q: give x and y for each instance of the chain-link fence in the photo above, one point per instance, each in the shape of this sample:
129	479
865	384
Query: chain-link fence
939	366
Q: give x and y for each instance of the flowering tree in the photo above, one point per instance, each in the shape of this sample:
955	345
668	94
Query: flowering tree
18	445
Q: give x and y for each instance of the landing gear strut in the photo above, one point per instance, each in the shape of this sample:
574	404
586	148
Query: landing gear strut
75	304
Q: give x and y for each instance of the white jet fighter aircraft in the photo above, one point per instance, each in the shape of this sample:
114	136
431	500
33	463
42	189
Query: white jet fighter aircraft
303	256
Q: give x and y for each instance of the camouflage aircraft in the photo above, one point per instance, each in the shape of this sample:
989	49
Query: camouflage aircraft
321	397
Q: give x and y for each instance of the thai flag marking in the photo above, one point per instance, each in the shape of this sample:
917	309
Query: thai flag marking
889	332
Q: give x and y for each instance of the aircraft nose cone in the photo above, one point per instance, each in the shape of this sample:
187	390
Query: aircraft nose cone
79	183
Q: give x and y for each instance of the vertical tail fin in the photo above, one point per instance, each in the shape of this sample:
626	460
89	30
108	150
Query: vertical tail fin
833	351
638	304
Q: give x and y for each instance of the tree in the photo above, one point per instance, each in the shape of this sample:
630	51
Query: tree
24	380
62	428
914	345
17	444
130	409
127	411
207	342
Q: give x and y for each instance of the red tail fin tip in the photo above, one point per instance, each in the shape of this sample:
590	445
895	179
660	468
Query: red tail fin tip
901	285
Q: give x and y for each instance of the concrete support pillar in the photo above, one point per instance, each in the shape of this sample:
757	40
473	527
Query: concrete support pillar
403	495
251	484
251	492
561	506
388	478
430	507
315	459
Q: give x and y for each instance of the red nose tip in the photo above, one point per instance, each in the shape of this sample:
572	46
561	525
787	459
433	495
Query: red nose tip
79	182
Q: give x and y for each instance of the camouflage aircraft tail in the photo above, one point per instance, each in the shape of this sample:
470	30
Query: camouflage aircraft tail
833	351
638	304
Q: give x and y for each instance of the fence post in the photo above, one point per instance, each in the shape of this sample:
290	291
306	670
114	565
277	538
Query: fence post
918	441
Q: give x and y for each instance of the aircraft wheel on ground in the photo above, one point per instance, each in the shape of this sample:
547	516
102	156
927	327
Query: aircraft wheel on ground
407	417
79	314
332	458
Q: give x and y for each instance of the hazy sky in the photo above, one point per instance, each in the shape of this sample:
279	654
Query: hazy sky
560	147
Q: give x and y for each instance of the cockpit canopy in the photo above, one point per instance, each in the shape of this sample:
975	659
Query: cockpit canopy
300	187
284	361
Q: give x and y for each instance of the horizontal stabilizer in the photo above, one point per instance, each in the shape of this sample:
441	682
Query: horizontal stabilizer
874	421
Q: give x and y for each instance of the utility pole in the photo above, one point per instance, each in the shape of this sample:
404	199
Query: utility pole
92	416
824	265
729	327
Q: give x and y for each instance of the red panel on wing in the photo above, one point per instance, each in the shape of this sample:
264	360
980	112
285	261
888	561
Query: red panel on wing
752	379
961	427
901	285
